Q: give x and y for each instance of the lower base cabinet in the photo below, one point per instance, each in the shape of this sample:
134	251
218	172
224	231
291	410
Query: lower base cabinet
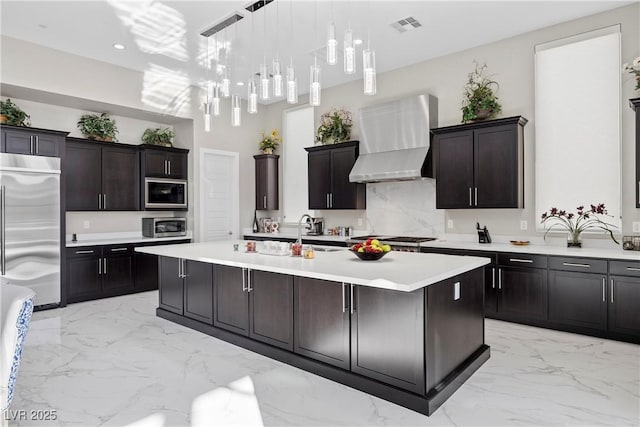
198	290
171	285
231	303
624	305
578	299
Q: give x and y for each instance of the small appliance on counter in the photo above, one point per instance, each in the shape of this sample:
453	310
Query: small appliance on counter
316	227
164	227
483	234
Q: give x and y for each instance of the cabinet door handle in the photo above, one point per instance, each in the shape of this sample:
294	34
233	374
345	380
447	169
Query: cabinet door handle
331	200
264	202
604	292
99	201
572	264
99	266
31	144
500	278
180	268
104	261
184	268
104	201
37	139
353	301
612	291
244	280
118	249
493	274
526	261
83	252
633	269
476	195
249	288
343	298
169	163
470	197
165	167
327	201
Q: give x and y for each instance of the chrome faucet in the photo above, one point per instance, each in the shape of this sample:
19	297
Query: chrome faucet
309	219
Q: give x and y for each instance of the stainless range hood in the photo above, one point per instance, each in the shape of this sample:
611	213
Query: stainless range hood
394	140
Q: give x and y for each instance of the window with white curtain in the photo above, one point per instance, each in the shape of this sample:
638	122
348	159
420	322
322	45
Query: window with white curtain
298	133
577	123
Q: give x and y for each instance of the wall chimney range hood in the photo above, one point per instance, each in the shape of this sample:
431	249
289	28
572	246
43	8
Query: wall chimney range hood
395	140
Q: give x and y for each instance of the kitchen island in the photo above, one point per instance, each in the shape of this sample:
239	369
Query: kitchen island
408	328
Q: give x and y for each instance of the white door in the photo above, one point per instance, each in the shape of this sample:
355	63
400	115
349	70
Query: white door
219	195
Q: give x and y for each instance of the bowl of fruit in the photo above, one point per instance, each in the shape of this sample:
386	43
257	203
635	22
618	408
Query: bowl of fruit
370	250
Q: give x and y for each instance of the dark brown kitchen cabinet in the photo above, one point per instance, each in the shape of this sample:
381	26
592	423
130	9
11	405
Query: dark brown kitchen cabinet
99	271
321	320
267	195
328	177
164	162
387	336
480	165
231	303
577	293
186	287
32	141
101	176
146	265
522	287
635	104
623	297
271	308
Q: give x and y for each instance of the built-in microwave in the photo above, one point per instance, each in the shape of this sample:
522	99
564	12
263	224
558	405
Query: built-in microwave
161	193
164	227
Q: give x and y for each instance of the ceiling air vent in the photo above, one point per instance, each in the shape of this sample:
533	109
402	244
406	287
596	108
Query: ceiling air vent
406	24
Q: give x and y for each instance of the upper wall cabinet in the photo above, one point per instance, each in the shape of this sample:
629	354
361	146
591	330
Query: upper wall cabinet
328	169
32	141
101	176
163	162
480	165
635	104
267	194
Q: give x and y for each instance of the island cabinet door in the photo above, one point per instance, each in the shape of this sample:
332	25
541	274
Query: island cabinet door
230	299
321	320
171	284
198	291
455	324
271	308
387	336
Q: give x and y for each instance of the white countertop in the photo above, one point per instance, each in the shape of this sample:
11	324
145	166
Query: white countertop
400	271
615	252
117	239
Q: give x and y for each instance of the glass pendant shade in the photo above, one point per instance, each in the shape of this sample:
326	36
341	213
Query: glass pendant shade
264	81
332	45
314	87
292	85
252	97
277	78
369	71
207	116
349	52
235	110
226	84
215	101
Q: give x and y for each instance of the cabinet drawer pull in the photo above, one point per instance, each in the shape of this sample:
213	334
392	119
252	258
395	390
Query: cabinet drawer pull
604	292
119	249
572	264
633	269
526	261
84	252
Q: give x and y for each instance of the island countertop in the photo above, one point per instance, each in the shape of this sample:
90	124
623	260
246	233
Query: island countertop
401	271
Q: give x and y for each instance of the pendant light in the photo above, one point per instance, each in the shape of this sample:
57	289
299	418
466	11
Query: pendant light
369	70
207	104
349	52
264	70
215	100
276	68
292	82
332	43
314	75
252	89
226	82
235	99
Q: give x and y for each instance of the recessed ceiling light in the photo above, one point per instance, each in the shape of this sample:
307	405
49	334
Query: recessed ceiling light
118	46
240	83
357	41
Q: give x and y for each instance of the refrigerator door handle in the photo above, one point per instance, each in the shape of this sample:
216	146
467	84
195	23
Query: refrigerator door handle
2	229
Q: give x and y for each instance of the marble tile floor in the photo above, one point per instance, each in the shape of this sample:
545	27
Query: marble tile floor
112	362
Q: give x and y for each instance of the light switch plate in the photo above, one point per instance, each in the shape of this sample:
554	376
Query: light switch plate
449	223
86	224
636	226
456	291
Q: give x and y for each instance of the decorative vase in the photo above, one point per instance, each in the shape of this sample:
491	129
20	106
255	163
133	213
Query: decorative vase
573	240
482	114
267	151
3	118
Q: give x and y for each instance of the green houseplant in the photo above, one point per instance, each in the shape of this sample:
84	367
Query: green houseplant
11	114
480	101
335	126
158	136
633	68
270	142
99	127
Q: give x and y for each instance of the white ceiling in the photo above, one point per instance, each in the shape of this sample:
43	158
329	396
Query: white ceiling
165	35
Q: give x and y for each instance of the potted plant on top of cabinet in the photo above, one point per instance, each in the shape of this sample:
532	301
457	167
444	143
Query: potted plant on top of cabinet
480	101
98	127
335	126
11	114
158	136
270	142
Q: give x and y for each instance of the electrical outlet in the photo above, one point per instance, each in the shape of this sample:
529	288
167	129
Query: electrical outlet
523	225
86	224
449	223
636	226
359	222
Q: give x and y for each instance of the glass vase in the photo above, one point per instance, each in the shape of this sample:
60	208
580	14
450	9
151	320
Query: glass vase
573	240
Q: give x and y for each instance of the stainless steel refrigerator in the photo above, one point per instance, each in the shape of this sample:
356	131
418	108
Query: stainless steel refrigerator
30	224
